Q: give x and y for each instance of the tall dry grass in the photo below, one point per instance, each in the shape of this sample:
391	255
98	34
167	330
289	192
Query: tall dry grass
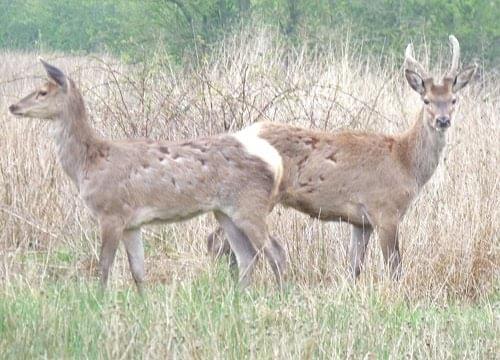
450	236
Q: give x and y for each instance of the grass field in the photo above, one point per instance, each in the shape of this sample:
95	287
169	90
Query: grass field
447	304
209	318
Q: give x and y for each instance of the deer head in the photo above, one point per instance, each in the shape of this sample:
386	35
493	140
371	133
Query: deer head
439	98
46	101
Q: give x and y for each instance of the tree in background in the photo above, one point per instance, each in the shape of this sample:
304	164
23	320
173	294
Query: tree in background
188	28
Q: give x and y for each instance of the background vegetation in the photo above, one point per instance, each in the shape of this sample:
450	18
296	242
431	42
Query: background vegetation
172	70
189	28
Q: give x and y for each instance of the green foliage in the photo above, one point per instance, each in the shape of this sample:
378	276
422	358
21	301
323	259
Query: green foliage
70	25
189	28
388	25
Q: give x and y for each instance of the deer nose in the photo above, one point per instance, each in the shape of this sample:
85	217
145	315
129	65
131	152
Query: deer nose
12	108
443	121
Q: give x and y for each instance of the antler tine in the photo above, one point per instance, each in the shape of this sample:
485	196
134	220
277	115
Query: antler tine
410	62
455	56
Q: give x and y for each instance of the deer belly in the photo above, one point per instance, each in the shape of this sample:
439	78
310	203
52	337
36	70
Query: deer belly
323	209
152	215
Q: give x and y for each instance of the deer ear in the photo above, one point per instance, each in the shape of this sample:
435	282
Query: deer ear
415	81
56	75
463	77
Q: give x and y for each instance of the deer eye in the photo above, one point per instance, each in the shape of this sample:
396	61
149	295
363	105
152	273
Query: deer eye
426	101
42	93
454	101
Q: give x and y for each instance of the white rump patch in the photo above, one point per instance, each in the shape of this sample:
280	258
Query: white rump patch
257	146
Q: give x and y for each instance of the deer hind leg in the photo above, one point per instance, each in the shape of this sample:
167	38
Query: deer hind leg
132	240
255	228
243	249
276	257
111	234
389	241
218	246
360	236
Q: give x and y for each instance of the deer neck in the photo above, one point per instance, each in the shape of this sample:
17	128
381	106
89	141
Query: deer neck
73	137
424	146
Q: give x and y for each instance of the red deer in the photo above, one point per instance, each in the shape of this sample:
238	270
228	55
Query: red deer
127	184
366	179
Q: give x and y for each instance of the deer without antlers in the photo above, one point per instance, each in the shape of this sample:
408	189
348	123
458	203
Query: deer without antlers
127	184
366	179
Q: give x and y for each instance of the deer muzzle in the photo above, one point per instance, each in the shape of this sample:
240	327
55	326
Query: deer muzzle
443	122
14	109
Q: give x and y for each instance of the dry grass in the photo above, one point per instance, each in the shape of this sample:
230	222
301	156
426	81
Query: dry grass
450	237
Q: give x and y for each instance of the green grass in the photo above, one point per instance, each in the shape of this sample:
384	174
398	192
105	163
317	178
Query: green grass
210	317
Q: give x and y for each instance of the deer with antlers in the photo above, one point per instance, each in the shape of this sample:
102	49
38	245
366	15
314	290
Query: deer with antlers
366	179
127	184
